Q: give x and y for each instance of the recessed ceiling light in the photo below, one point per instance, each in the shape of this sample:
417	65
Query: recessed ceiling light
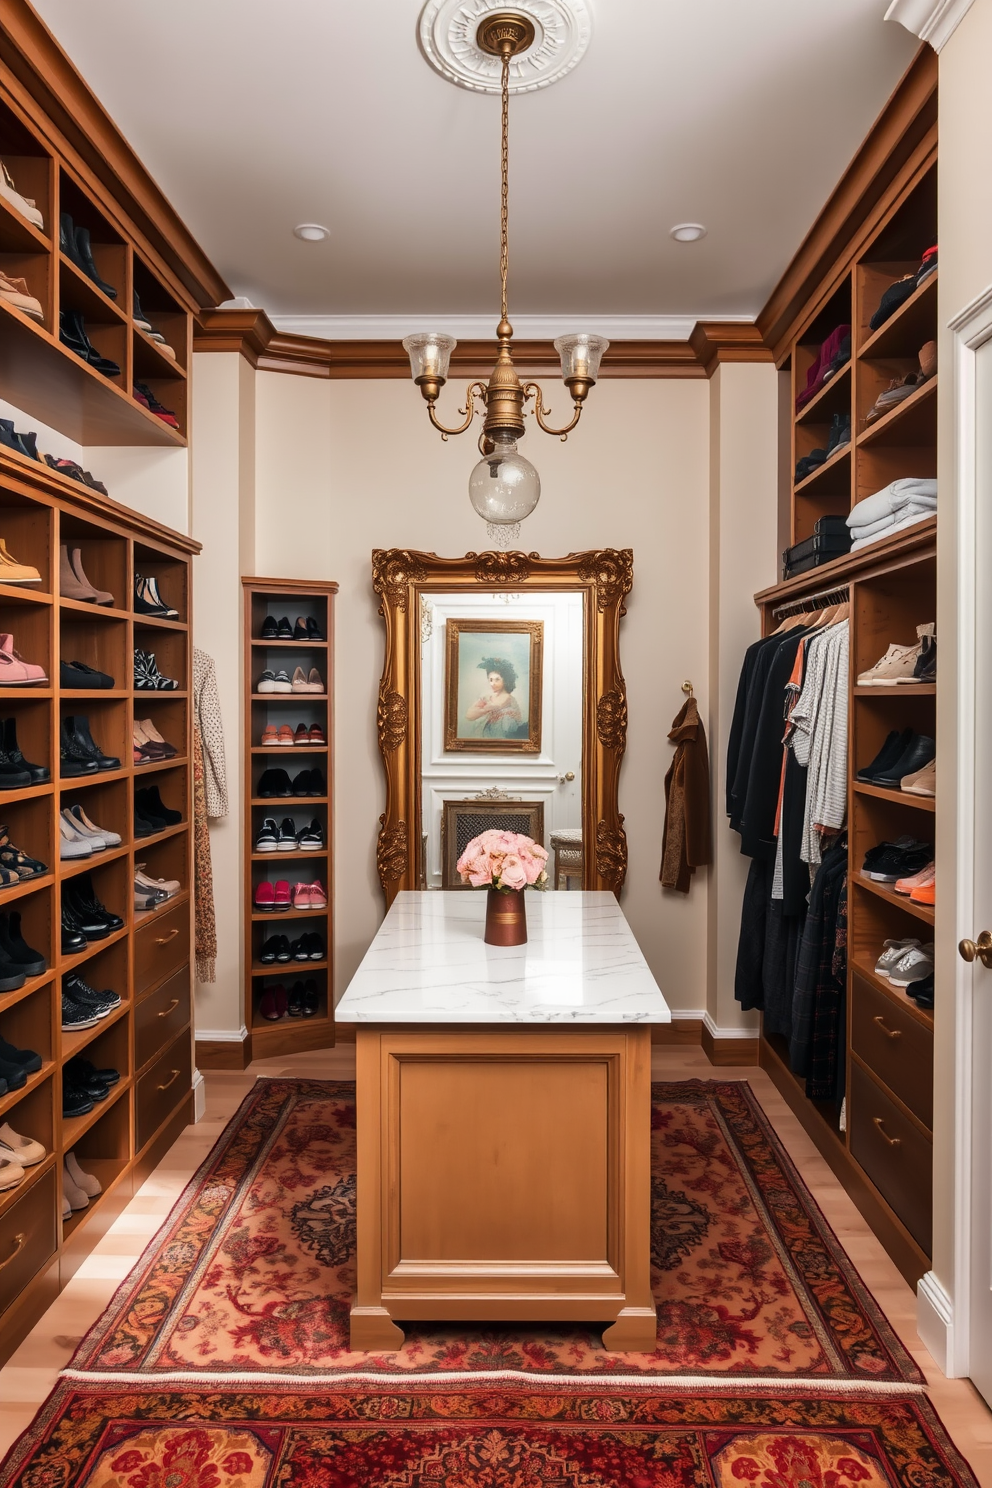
688	232
311	232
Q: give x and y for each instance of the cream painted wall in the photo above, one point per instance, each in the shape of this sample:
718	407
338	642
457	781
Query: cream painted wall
343	467
965	233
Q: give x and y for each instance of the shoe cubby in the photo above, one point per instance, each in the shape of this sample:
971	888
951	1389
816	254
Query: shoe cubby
107	720
166	316
30	167
895	251
170	393
106	805
26	532
169	650
30	627
168	714
293	973
27	1024
110	252
32	1116
37	912
172	784
29	826
105	561
274	599
102	1144
98	642
171	578
104	970
167	859
34	268
27	722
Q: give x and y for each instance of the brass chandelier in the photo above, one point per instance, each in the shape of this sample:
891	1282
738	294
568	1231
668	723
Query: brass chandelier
504	487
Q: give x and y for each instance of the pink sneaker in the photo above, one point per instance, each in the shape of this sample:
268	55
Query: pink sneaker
282	895
14	670
301	896
925	876
265	896
318	899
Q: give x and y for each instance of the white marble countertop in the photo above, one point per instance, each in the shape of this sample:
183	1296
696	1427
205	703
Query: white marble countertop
429	964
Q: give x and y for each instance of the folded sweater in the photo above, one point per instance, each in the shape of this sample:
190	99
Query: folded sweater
865	542
892	498
911	509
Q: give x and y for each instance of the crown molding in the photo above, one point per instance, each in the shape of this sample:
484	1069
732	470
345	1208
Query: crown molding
252	335
934	21
481	327
45	85
904	136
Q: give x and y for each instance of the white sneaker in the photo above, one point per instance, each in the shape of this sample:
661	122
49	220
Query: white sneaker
914	966
892	953
895	668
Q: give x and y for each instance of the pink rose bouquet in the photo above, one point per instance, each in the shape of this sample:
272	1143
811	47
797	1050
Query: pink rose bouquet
503	860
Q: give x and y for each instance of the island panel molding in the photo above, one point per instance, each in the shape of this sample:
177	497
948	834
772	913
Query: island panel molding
402	578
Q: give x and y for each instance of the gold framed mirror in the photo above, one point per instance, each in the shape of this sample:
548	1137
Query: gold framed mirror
406	581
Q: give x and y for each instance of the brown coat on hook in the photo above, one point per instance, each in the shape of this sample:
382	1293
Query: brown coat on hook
685	844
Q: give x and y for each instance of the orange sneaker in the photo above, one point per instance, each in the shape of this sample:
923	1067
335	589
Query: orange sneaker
925	894
915	881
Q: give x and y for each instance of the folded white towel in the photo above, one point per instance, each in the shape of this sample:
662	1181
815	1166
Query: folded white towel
866	542
892	498
911	509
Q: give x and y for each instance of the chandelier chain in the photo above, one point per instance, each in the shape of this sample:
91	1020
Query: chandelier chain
504	250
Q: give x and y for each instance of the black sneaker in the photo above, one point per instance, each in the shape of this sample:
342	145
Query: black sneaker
102	1004
299	949
268	838
894	746
311	839
75	1016
81	1072
316	946
284	631
270	628
309	783
276	948
314	632
75	1102
274	783
287	835
311	999
25	1059
896	861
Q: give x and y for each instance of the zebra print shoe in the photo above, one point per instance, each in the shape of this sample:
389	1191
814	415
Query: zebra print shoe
147	677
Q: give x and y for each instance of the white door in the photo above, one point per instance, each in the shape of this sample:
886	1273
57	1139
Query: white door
974	986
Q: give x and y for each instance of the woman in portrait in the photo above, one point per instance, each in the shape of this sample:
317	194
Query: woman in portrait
496	715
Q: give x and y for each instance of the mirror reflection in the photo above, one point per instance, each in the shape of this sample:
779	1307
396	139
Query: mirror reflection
501	699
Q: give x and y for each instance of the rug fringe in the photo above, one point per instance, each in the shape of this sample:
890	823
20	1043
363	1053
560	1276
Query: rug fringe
683	1382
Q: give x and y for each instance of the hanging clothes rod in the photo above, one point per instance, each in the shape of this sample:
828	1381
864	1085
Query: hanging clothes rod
807	602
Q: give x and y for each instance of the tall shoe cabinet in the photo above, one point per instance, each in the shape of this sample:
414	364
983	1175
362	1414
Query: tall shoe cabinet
883	1151
290	598
148	1038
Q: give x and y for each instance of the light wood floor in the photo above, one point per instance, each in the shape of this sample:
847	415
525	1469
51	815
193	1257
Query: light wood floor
31	1372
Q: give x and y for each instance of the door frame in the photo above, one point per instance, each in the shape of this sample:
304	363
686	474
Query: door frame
941	1311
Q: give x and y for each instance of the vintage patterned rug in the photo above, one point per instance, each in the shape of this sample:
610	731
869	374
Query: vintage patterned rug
518	1434
250	1277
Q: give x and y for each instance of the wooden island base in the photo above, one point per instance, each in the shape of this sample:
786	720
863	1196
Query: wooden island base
504	1175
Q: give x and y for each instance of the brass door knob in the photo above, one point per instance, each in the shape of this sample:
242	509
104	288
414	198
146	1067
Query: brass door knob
977	950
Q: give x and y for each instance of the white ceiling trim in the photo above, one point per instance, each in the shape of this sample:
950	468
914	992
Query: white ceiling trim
934	21
483	327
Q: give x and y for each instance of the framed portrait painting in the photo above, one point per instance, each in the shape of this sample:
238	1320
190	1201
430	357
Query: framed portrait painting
493	686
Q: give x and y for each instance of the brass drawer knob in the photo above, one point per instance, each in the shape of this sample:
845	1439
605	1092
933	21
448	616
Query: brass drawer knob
18	1246
164	939
171	1008
892	1033
171	1080
892	1141
977	950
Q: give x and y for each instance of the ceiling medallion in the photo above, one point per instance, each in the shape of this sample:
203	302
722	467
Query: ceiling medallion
448	37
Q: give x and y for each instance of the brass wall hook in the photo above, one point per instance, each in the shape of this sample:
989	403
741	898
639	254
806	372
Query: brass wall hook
687	687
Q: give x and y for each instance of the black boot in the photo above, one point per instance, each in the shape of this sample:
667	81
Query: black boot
39	773
84	256
153	806
78	726
73	758
86	898
12	775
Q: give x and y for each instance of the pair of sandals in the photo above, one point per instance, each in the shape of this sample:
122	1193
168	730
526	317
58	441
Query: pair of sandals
15	865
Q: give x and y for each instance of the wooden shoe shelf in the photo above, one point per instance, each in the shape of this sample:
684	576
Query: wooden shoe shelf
37	372
883	1155
148	1038
292	598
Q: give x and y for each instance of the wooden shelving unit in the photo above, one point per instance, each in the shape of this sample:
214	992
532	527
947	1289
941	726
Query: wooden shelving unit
290	598
148	961
893	588
38	372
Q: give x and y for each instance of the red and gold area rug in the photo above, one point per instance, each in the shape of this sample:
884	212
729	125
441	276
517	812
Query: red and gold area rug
250	1277
521	1434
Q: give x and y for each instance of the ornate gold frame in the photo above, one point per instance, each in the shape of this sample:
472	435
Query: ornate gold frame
455	629
399	577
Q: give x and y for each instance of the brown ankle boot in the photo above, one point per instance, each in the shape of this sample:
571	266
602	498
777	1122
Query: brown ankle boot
101	596
70	586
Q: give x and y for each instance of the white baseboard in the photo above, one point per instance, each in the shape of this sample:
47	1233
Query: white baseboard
221	1035
715	1031
199	1096
935	1320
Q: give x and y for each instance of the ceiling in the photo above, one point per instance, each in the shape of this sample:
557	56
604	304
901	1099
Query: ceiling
254	117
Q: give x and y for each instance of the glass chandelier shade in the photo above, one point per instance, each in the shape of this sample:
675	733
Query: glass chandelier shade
580	355
504	487
430	355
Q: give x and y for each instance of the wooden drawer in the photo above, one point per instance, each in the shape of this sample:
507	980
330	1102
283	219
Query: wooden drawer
896	1045
160	1089
894	1152
161	947
34	1219
161	1016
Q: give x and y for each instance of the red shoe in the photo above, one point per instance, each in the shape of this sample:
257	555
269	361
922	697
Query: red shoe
282	895
302	735
301	896
286	737
317	735
273	1003
265	896
318	899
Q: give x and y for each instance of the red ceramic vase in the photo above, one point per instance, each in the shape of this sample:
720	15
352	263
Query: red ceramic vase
506	917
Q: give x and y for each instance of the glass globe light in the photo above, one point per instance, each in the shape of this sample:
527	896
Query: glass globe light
504	487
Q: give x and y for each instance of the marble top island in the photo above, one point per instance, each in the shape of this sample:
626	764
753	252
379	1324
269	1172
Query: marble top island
429	964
